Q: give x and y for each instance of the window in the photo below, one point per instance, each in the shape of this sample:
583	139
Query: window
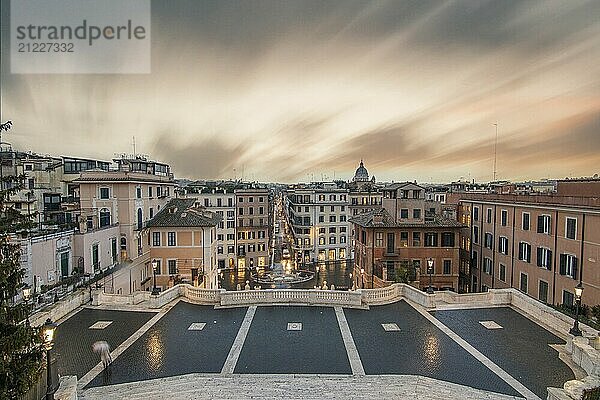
568	265
447	267
155	238
404	213
503	244
475	213
172	267
431	239
138	192
568	298
571	228
475	234
502	272
321	240
391	245
474	259
544	257
378	239
241	211
219	249
342	218
404	239
525	252
416	239
230	249
331	239
332	218
104	217
487	265
171	241
342	239
229	203
332	229
219	202
104	193
95	257
489	240
489	215
332	209
150	191
525	221
543	291
321	218
523	285
543	224
504	217
417	213
448	239
151	212
140	220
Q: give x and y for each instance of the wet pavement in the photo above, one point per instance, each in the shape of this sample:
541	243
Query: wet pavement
418	348
336	273
169	348
271	348
276	343
520	346
74	338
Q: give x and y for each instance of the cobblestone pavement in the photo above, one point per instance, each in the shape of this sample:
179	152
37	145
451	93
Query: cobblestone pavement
316	348
518	345
169	348
418	348
74	338
306	387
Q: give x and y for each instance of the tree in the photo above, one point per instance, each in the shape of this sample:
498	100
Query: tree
20	344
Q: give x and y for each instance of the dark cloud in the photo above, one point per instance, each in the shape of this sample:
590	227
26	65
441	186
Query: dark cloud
206	158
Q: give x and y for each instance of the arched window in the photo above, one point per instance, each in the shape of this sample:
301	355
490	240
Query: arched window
104	217
139	218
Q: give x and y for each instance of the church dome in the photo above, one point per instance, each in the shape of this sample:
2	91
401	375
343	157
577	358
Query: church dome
361	174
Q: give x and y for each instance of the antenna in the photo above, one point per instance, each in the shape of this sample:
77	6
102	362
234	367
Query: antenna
133	143
495	150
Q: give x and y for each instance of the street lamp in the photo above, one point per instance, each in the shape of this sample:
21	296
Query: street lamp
575	331
26	297
154	268
351	283
430	272
218	278
48	341
362	278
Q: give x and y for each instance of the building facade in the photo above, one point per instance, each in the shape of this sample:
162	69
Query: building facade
130	195
541	245
253	226
318	214
394	243
182	242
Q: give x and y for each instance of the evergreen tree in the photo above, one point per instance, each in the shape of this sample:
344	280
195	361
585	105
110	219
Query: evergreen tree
20	347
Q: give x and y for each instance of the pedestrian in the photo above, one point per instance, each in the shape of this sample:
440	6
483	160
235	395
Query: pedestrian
103	348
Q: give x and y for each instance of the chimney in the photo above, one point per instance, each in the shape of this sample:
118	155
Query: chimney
378	219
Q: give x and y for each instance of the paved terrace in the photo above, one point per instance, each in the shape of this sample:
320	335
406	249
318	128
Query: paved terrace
392	348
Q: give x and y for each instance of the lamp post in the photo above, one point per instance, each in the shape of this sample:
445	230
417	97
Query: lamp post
362	278
430	272
154	267
48	340
26	297
575	331
218	278
351	283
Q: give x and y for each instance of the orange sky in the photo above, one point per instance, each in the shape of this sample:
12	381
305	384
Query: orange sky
290	90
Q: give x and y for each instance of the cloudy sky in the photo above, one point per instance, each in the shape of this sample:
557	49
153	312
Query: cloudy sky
294	90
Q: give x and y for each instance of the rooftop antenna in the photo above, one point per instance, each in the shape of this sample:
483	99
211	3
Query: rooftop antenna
495	150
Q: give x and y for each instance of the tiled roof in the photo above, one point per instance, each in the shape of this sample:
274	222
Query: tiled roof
184	213
366	219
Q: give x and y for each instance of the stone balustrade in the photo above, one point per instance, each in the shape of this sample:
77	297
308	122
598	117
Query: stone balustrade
292	296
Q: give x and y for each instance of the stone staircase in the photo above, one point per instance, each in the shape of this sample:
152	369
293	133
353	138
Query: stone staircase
214	386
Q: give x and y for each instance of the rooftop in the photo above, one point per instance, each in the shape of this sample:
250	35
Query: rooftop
184	213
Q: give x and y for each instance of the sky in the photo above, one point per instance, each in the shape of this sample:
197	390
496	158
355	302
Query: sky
303	90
